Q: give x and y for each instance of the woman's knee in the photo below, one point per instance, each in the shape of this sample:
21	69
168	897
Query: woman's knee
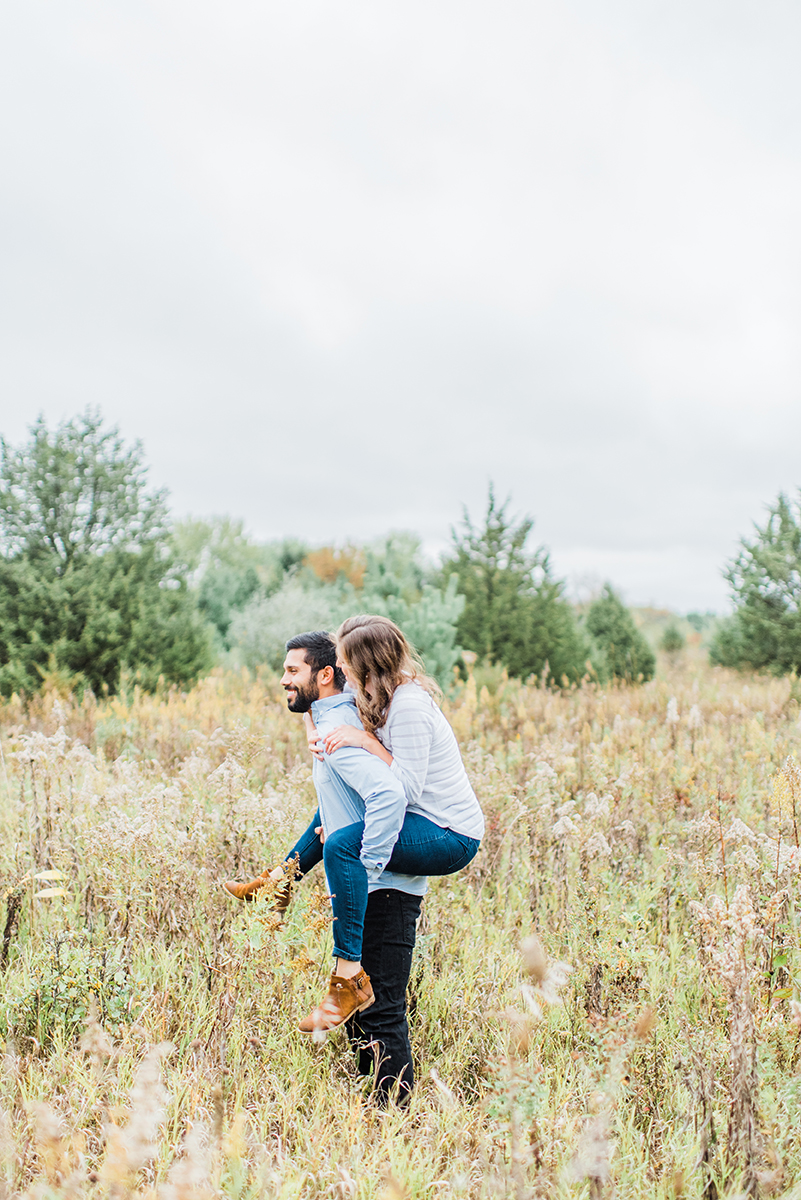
344	843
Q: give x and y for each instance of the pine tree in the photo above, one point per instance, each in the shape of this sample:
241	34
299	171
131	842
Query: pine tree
515	612
88	583
621	651
764	632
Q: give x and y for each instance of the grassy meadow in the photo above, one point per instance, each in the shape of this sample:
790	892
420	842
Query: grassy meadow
603	1004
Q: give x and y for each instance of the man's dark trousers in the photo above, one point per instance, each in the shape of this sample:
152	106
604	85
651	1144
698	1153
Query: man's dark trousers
380	1034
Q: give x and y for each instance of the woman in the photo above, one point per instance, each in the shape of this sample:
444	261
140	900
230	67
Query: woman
439	831
405	728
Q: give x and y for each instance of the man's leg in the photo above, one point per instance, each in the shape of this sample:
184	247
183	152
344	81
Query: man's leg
380	1035
347	880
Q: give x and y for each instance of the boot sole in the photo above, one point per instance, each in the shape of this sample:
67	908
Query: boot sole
233	895
331	1028
246	899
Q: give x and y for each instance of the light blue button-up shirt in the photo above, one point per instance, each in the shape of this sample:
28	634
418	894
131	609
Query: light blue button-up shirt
354	785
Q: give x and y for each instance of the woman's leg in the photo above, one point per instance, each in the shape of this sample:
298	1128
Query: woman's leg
305	854
308	849
349	989
424	848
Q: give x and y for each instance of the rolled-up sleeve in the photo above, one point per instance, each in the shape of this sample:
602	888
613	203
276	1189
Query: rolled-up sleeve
384	802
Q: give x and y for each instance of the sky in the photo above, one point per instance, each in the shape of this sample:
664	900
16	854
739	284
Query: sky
339	266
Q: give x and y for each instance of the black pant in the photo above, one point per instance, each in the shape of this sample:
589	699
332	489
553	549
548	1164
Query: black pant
380	1034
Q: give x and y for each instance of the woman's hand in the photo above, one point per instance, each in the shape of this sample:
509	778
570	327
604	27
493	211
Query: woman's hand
312	737
346	735
349	735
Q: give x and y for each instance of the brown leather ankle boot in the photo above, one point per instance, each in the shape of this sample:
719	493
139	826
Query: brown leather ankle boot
247	891
343	998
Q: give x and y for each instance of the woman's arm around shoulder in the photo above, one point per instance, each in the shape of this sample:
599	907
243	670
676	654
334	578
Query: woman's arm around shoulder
410	727
350	735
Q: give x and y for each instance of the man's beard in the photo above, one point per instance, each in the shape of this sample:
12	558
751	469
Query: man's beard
304	697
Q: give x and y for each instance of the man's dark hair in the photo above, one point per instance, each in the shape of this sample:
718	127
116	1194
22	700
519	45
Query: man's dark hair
321	651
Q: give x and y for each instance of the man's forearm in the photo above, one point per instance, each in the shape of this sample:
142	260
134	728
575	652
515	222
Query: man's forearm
384	802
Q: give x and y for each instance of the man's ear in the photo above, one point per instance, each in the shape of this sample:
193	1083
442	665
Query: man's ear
325	676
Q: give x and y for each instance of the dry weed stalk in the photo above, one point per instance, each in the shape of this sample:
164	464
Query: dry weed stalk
189	1177
13	899
130	1149
7	1155
730	936
592	1159
547	980
700	1083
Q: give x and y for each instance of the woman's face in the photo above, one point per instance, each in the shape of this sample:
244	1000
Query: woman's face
345	669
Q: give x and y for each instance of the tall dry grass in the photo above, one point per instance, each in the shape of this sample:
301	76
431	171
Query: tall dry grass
604	1003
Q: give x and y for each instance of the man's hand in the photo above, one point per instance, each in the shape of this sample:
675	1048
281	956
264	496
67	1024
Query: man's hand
318	829
315	749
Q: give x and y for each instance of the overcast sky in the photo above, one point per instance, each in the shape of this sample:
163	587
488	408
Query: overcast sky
340	264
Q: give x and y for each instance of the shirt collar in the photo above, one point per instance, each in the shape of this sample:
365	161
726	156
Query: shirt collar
328	702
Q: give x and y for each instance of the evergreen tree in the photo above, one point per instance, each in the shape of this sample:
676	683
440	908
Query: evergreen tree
75	491
88	583
672	640
227	569
515	612
621	651
764	632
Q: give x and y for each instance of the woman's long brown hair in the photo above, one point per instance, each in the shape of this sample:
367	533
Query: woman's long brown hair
376	650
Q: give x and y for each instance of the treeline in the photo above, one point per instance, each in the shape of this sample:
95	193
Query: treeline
490	597
96	581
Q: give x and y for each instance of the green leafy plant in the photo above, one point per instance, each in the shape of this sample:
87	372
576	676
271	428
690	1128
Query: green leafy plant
66	977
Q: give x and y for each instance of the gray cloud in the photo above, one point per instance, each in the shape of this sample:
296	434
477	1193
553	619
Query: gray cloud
338	267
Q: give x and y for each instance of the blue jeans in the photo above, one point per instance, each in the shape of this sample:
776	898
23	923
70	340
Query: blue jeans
379	930
308	849
422	848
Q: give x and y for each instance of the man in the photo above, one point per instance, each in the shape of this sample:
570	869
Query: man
353	785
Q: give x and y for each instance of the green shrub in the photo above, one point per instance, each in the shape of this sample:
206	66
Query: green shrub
673	640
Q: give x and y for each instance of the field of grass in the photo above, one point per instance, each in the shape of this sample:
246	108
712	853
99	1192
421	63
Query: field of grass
603	1004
